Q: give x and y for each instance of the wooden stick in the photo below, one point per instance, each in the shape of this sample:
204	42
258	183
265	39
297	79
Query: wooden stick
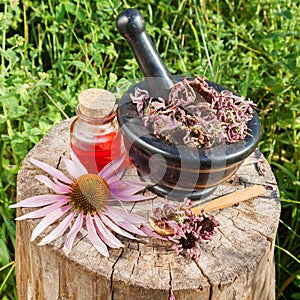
230	199
218	203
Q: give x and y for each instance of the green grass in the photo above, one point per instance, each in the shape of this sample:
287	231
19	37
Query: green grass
51	50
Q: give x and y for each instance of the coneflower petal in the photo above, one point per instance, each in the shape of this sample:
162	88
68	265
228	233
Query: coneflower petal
114	168
108	238
59	230
51	171
131	228
112	179
114	213
122	215
50	184
38	201
115	227
48	220
43	211
78	168
127	187
69	164
63	185
94	238
73	232
129	198
151	233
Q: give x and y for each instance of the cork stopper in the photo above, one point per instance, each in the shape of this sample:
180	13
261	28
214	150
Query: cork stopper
96	103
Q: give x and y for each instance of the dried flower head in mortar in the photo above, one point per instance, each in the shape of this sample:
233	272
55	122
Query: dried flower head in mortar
190	230
195	114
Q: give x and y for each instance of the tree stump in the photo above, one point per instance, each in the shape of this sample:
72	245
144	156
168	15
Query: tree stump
238	263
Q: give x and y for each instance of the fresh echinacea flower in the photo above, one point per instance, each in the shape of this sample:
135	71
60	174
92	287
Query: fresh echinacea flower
189	229
86	201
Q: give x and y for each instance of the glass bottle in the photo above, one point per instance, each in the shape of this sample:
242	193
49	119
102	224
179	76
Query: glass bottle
94	134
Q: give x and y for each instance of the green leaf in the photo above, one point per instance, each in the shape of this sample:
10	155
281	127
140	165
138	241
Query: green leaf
296	295
2	119
16	41
75	10
60	12
286	14
4	253
285	170
17	112
19	147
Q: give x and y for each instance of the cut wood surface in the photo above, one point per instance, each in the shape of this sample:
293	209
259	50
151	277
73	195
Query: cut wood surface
237	263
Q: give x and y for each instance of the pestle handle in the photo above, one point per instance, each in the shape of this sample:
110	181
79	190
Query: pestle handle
131	26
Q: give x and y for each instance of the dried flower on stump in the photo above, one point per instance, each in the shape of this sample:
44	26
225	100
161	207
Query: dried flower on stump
85	201
189	229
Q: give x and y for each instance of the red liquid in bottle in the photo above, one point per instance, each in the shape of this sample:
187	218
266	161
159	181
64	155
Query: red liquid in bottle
94	156
94	135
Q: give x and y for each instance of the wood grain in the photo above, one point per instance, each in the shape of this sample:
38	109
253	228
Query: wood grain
236	264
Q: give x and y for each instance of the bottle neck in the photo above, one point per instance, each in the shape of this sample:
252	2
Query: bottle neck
95	120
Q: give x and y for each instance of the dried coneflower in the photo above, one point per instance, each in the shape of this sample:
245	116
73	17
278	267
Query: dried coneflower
195	114
190	230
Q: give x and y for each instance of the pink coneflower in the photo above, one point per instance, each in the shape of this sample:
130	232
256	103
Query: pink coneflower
86	198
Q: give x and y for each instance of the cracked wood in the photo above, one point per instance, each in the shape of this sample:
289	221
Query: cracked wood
236	264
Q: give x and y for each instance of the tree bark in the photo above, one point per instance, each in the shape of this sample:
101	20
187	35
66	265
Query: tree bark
238	263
